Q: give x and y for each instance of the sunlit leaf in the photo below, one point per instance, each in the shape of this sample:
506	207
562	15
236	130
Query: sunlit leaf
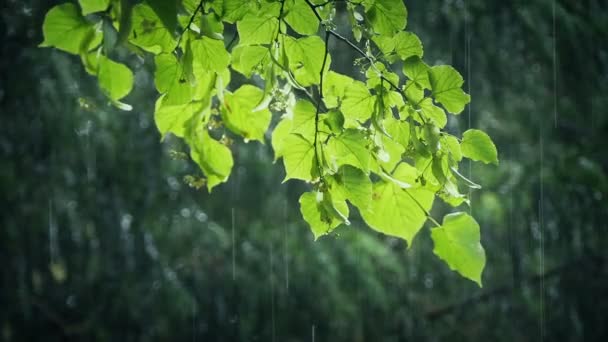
173	118
213	157
477	145
239	115
305	57
65	29
446	84
387	16
321	219
358	102
210	54
115	79
396	211
92	6
350	148
417	71
300	17
254	29
279	135
304	119
149	32
457	242
298	155
334	87
248	59
352	184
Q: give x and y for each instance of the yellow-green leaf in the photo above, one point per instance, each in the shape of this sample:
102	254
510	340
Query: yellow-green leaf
298	155
322	214
477	145
239	115
457	242
92	6
446	84
115	79
65	29
396	211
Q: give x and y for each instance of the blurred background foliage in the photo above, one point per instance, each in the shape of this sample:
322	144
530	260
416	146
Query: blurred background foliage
102	240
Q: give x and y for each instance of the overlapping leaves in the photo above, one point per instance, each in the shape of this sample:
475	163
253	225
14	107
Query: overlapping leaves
375	143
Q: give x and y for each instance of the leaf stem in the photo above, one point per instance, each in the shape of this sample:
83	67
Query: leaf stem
426	212
315	143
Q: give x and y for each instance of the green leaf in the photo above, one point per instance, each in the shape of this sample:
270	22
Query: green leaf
321	219
334	121
433	113
478	146
334	87
387	16
279	135
457	242
396	211
65	29
398	130
358	103
92	6
167	70
386	44
407	45
233	10
301	17
166	10
305	57
115	79
350	148
388	151
210	54
417	71
298	156
304	119
451	195
248	59
352	184
149	32
171	79
446	84
257	29
239	115
213	157
452	146
173	118
212	26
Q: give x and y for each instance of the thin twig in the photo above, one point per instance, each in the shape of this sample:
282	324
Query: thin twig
365	55
196	10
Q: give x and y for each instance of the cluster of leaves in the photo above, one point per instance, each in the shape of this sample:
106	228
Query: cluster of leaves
376	143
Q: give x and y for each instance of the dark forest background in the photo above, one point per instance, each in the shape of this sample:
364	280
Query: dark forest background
101	240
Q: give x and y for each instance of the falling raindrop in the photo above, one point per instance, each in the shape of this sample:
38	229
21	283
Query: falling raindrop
285	247
194	320
272	292
554	66
233	245
541	227
53	246
467	56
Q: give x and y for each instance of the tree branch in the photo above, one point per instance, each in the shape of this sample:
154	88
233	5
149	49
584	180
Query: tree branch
196	10
315	143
